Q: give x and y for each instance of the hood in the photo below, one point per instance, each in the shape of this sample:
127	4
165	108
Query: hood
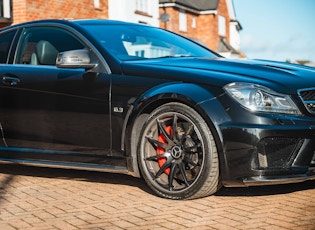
283	77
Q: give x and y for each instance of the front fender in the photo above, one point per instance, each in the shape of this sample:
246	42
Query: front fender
193	93
198	97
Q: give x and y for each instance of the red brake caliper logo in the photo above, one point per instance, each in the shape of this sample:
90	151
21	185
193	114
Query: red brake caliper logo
160	150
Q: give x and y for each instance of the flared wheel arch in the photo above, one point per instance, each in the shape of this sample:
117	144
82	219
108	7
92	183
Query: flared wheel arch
142	117
142	114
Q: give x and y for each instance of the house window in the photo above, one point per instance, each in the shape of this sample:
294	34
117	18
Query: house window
182	21
97	4
5	10
222	26
142	6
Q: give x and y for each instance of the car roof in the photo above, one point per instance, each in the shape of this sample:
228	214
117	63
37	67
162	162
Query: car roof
102	22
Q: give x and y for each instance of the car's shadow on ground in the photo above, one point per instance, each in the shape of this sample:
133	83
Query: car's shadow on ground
13	170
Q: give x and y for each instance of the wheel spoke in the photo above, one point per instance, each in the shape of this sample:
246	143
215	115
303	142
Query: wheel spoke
193	172
191	162
171	177
189	130
155	143
187	133
166	165
175	128
182	171
162	129
191	149
156	157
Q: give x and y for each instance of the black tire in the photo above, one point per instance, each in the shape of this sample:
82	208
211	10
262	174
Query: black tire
177	153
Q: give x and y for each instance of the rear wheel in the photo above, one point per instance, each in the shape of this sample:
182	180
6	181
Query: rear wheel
177	154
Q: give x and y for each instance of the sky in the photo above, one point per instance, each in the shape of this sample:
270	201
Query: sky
278	30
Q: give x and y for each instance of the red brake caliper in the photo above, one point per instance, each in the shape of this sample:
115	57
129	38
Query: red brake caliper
160	150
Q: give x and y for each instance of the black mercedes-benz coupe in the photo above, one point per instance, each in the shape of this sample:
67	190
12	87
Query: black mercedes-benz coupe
134	99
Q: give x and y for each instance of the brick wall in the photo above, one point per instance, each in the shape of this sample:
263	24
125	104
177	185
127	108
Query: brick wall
206	29
27	10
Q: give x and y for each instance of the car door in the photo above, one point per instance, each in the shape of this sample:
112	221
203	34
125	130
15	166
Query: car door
49	113
6	40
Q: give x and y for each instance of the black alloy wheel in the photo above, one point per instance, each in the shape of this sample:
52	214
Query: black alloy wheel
177	153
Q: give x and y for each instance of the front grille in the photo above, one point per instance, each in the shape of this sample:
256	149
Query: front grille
308	98
277	152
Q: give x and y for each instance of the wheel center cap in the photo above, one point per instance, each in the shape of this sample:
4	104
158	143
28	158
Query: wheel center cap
176	152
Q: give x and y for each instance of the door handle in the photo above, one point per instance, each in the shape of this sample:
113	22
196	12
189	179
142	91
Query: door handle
8	80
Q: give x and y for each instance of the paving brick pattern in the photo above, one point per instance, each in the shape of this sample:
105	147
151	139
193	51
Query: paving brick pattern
43	198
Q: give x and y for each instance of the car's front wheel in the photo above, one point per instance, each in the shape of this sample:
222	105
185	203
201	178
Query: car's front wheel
177	153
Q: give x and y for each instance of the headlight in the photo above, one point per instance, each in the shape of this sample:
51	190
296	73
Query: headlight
261	99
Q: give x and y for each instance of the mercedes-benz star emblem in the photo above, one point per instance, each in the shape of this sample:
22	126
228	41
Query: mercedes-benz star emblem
176	152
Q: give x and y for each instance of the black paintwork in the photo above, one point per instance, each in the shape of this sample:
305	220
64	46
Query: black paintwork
72	118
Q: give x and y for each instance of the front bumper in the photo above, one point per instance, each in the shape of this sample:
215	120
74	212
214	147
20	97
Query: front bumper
265	154
273	180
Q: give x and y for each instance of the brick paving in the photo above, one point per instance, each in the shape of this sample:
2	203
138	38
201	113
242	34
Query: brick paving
44	198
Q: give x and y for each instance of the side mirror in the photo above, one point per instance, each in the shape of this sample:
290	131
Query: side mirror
75	59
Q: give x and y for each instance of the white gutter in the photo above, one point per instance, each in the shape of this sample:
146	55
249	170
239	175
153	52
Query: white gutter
188	9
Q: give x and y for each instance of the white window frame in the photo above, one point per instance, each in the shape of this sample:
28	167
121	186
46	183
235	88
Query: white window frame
143	6
221	26
182	21
96	4
5	10
193	22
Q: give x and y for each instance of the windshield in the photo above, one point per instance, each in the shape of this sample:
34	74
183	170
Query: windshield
128	42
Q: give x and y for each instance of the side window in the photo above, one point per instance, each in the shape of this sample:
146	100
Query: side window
5	43
41	45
